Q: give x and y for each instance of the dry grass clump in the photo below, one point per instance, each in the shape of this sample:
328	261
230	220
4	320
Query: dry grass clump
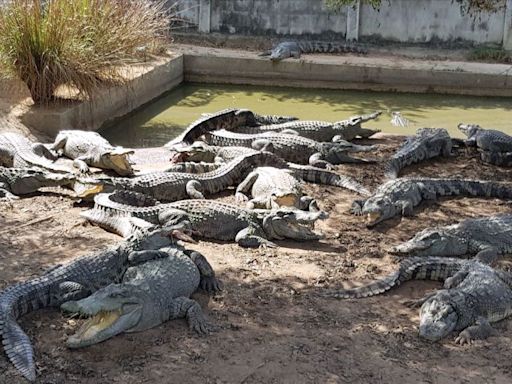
81	43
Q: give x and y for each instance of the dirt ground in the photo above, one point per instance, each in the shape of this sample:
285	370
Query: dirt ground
274	326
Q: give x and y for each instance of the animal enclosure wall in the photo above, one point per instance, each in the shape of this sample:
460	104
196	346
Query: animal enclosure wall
408	21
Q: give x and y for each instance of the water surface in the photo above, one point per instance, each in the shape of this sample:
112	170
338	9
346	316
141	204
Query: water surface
164	119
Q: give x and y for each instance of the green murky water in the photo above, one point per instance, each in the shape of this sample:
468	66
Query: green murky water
165	118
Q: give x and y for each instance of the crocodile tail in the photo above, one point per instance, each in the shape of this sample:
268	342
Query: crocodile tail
478	188
17	346
417	268
393	168
322	176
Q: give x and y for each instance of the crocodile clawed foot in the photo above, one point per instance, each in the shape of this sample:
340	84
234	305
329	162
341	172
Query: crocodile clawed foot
464	338
357	208
412	303
211	284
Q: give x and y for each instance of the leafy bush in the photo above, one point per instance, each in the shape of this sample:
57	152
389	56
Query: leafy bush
81	43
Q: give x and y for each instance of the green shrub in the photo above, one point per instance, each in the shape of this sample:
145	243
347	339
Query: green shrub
80	43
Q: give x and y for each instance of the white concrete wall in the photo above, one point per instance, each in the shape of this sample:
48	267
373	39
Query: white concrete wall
411	21
421	21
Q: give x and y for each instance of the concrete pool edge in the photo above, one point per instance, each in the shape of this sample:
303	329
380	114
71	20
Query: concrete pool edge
225	66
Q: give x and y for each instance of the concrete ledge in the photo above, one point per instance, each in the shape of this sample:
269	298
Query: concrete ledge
348	72
148	82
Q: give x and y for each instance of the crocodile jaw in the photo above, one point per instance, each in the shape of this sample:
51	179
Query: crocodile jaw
83	189
437	319
373	218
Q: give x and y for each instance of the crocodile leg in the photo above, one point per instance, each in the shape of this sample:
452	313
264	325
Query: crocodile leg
482	330
487	254
248	239
208	282
58	145
185	307
316	160
455	280
73	291
263	145
194	188
80	163
5	193
41	150
308	203
244	188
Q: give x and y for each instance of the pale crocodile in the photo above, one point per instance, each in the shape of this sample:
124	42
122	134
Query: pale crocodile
474	294
87	148
319	130
485	237
426	144
292	148
495	147
213	220
400	196
18	151
294	49
71	281
148	295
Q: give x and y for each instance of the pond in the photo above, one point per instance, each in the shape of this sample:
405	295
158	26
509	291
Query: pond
163	119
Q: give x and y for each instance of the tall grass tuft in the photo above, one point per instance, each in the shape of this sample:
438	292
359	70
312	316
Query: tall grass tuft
80	43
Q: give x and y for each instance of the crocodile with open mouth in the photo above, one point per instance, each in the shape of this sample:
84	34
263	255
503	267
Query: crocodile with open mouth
400	196
473	296
148	295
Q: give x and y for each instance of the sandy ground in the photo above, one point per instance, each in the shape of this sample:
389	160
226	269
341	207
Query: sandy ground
274	326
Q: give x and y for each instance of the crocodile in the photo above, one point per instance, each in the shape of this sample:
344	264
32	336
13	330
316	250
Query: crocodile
264	119
226	118
72	281
426	144
292	148
474	295
148	295
91	149
22	181
175	186
319	130
200	151
484	237
18	151
400	196
294	49
214	220
495	147
192	167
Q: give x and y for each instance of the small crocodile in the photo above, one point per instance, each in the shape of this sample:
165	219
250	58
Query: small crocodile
72	281
474	295
227	118
495	147
148	295
319	130
294	49
292	148
214	220
168	186
22	181
400	196
426	144
91	149
484	237
18	151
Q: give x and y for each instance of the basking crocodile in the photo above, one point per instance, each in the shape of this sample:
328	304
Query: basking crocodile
426	144
291	147
400	196
18	151
71	281
22	181
168	186
227	118
294	49
495	146
319	130
200	151
474	295
215	220
484	237
91	149
264	119
192	167
148	295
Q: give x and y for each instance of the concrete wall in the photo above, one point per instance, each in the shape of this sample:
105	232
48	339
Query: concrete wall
411	21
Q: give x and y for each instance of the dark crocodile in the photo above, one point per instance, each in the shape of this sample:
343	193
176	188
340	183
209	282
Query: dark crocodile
168	186
148	295
474	295
18	151
91	149
495	147
22	181
485	237
214	220
71	281
292	148
319	130
294	49
426	144
400	196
